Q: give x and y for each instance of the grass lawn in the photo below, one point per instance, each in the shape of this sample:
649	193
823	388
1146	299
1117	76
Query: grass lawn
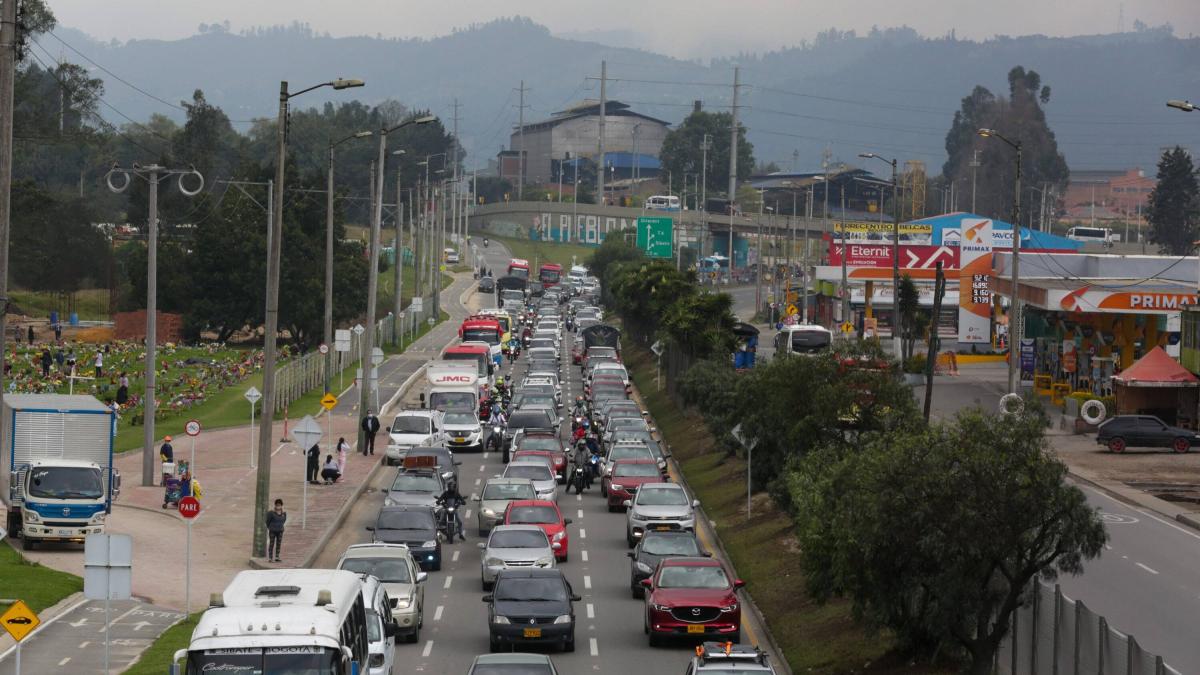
91	304
40	587
813	637
538	252
157	657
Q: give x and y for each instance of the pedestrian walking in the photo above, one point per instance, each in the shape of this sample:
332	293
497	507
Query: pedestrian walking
99	363
59	358
71	360
57	331
46	360
370	425
314	463
276	519
30	334
343	448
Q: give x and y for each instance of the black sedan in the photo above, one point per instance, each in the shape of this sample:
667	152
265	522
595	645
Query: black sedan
655	547
413	526
531	606
1144	431
487	285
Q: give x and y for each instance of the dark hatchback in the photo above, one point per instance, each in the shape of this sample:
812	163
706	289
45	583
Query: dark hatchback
487	285
413	526
655	547
531	606
1143	431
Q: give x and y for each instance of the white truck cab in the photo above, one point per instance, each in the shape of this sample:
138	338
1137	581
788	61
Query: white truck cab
414	428
453	386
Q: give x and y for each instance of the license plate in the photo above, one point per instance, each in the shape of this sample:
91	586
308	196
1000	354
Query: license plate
460	439
662	528
696	628
535	632
65	533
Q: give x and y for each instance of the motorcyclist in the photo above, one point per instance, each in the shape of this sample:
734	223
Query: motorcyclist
580	407
497	418
451	498
485	242
579	459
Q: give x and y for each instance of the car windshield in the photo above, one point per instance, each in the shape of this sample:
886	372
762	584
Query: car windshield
530	471
547	589
488	335
635	470
692	576
405	520
534	400
451	400
511	669
410	424
630	452
388	570
661	496
532	515
520	420
461	419
410	482
519	539
66	482
538	443
669	545
509	491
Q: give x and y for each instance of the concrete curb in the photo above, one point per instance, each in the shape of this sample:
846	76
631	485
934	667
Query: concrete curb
46	616
1139	500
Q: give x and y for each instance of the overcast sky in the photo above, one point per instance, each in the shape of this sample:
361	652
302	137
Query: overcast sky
683	28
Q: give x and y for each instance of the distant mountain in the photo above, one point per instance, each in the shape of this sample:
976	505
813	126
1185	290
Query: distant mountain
890	91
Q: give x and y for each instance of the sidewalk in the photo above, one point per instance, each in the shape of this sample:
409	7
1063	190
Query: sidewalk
222	534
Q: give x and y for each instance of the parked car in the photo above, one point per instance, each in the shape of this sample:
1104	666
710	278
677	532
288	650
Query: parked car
1144	431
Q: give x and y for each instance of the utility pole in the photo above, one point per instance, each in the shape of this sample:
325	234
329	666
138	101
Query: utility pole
520	137
8	64
733	155
366	386
398	267
845	253
600	133
454	155
758	256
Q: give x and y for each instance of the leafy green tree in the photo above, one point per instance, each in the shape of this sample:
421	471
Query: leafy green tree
1020	117
936	534
913	321
681	150
1174	206
55	245
612	251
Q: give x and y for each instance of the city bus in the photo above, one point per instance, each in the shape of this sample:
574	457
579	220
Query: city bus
550	274
482	328
315	622
518	268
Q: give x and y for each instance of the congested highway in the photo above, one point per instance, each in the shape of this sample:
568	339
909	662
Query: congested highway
609	633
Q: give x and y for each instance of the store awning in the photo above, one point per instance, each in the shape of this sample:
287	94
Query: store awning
1156	369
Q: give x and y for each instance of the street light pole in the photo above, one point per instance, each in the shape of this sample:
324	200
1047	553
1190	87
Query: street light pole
895	251
329	255
262	490
1014	319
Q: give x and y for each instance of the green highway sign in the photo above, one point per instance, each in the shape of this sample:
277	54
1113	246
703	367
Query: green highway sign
655	235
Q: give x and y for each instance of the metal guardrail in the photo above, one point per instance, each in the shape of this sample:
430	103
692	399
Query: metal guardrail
1055	635
299	376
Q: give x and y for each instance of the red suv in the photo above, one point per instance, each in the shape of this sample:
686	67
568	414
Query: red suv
544	514
692	597
627	475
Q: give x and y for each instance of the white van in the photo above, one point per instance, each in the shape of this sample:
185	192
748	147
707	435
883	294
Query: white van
662	203
1101	235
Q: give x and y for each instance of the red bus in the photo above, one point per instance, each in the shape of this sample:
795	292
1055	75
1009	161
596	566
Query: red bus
518	268
550	274
483	329
476	353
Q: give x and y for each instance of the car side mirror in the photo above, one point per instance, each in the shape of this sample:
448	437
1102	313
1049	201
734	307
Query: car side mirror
738	583
458	464
646	583
706	554
566	521
488	598
576	598
475	498
481	545
421	577
629	554
390	629
370	528
389	429
695	503
627	503
556	546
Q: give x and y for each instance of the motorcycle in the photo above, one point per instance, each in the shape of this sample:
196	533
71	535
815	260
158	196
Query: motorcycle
485	242
448	524
578	480
493	441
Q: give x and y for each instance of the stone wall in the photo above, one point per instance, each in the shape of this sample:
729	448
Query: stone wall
132	326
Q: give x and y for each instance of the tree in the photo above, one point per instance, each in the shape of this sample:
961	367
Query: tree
681	149
1174	206
612	251
912	320
55	246
1019	117
937	533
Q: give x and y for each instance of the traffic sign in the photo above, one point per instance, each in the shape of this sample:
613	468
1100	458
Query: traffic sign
189	507
655	236
253	395
847	327
307	432
192	428
358	329
19	620
418	304
341	339
329	401
792	311
324	348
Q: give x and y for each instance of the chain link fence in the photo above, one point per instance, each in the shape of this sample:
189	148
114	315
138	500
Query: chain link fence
301	375
1055	635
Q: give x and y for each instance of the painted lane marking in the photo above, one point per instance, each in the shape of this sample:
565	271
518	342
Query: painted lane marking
428	649
449	580
587	581
593	647
583	556
582	533
1148	569
591	611
437	613
454	558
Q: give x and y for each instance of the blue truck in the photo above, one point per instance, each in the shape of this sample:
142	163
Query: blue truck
57	479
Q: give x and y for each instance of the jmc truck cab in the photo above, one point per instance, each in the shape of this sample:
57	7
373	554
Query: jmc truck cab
453	386
57	481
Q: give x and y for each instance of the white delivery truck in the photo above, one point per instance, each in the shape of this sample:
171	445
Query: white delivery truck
57	480
453	386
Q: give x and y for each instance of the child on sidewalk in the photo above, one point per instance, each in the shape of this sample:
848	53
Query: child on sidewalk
276	519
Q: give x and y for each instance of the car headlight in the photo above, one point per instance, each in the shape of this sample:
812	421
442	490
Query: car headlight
488	512
500	619
387	501
98	517
493	562
559	536
730	608
376	661
660	608
31	516
634	515
565	618
545	562
403	603
432	543
643	567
